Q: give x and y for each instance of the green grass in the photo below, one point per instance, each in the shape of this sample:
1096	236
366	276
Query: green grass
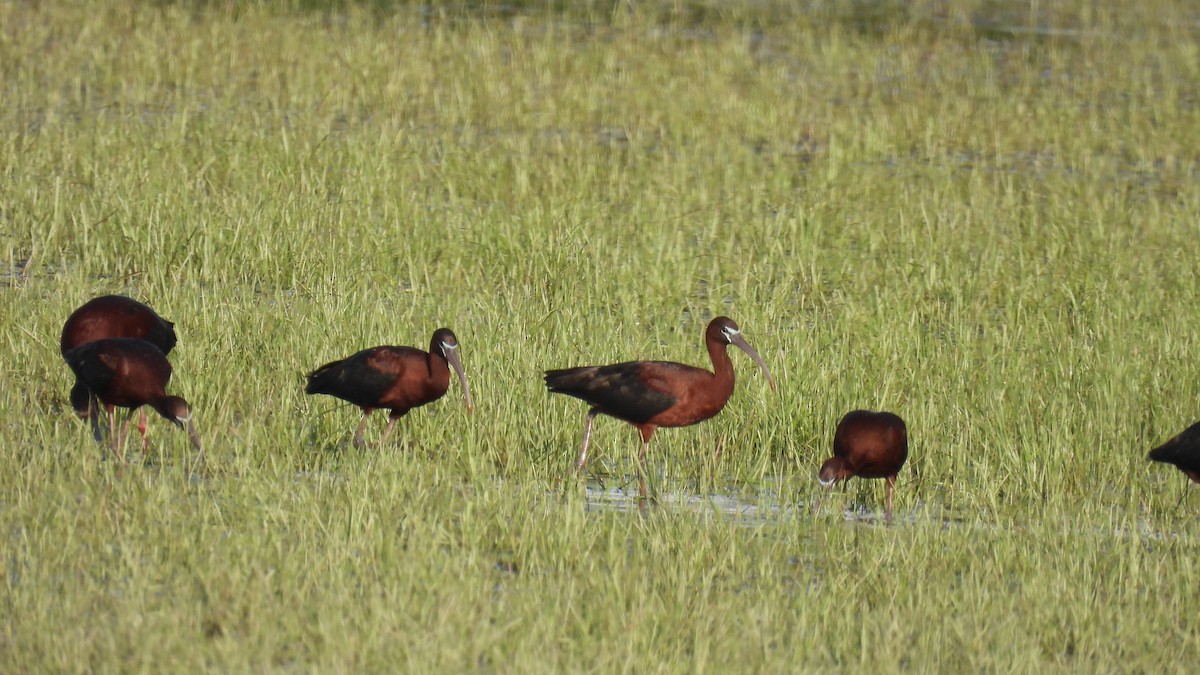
979	215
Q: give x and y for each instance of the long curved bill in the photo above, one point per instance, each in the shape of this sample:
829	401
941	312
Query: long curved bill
744	346
191	429
452	357
186	423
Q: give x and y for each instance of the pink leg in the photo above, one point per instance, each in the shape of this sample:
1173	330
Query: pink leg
358	435
142	431
891	481
645	496
587	435
388	432
125	430
642	492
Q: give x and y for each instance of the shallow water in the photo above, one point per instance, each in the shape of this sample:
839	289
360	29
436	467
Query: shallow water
753	509
602	498
765	508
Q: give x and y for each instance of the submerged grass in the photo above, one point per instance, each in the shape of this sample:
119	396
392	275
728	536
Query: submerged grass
979	215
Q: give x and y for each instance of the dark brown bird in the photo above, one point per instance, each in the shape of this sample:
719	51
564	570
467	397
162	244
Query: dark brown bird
112	316
130	373
868	445
396	378
652	394
1183	451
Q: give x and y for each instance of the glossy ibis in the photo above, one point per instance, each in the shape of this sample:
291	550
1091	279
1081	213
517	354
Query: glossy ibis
112	316
868	445
652	394
130	373
396	378
1183	451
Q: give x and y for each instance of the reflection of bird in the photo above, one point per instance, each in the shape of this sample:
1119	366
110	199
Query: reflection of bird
868	445
396	378
652	394
112	316
129	373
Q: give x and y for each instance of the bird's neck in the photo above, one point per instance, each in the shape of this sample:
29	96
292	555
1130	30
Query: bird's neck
722	365
439	368
163	407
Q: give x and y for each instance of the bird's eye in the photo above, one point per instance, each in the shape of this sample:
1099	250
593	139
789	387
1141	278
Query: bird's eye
729	332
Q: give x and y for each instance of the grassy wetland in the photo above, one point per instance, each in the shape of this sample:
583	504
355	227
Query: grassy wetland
980	215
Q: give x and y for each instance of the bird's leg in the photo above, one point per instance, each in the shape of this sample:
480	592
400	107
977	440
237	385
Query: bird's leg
94	416
112	433
358	440
587	434
891	481
388	431
125	430
142	431
645	496
642	495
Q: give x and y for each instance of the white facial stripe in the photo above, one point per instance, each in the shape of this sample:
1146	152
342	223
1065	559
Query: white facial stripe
826	483
184	419
447	345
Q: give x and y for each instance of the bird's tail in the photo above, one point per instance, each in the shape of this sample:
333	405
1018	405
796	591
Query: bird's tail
321	379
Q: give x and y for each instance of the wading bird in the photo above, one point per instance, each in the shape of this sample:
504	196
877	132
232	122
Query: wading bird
868	445
652	394
1183	451
112	316
396	378
130	373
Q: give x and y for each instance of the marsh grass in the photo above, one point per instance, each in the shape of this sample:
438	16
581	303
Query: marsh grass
980	215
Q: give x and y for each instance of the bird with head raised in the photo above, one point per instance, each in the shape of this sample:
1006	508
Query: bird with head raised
394	378
653	394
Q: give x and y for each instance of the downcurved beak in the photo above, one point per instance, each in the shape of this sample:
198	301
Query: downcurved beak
452	357
744	346
186	423
191	429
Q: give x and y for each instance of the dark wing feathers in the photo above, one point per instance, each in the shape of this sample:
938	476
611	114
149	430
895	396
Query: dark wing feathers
162	335
619	390
135	364
366	377
1183	451
350	380
90	367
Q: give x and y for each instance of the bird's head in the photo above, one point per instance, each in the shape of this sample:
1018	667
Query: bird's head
445	343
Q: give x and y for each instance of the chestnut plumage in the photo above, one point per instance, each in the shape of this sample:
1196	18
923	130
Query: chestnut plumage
652	394
112	316
397	379
129	373
868	445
